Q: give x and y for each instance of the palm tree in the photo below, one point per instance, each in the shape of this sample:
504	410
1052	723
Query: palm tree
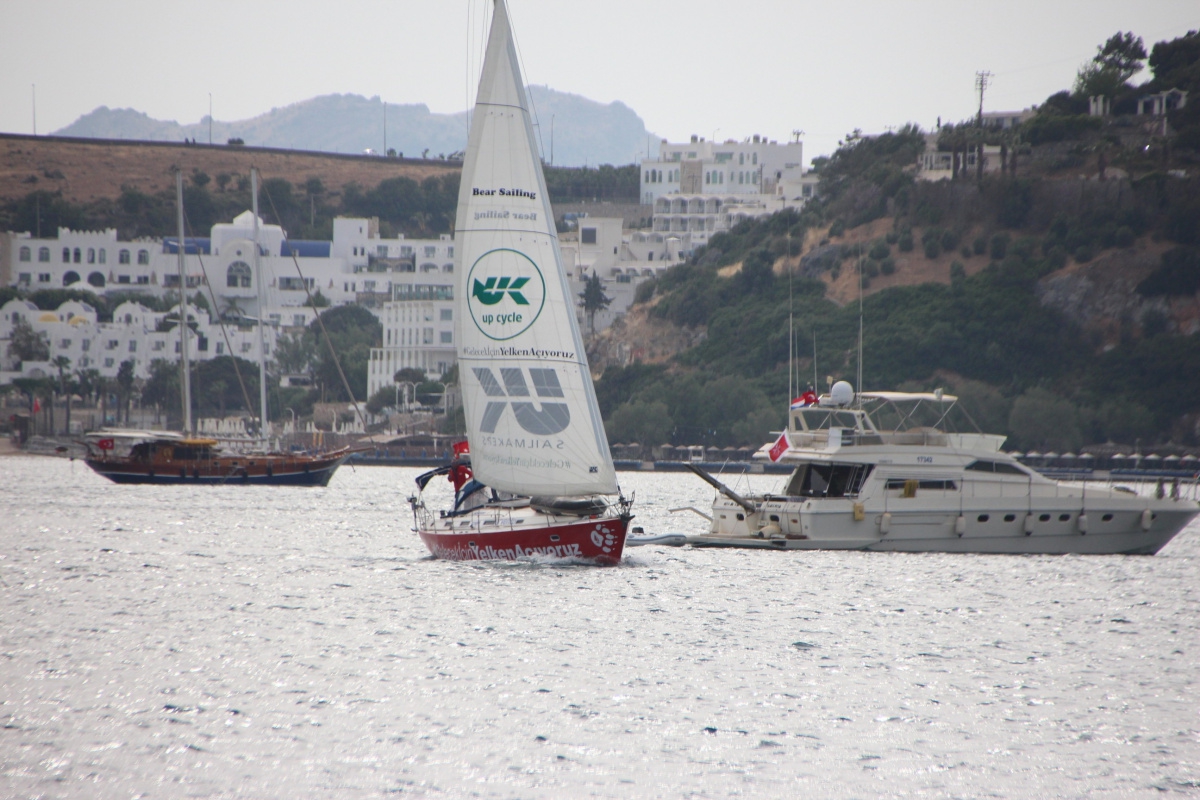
63	364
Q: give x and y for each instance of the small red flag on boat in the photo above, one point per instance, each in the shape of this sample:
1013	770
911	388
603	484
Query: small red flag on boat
809	398
37	406
462	448
105	444
780	447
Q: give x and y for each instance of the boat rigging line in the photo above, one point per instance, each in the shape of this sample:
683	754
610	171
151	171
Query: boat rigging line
337	362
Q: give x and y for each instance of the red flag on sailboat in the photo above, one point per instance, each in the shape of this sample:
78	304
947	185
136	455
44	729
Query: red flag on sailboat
37	406
779	448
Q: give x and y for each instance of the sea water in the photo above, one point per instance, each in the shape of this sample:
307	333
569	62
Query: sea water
291	642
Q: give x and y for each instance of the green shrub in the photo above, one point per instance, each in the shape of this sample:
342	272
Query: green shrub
979	245
837	228
645	291
932	249
949	240
1085	253
1124	236
871	268
999	246
957	270
1056	258
905	243
887	266
966	251
880	251
892	237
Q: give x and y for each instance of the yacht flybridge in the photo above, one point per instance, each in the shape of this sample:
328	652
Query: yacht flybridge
887	471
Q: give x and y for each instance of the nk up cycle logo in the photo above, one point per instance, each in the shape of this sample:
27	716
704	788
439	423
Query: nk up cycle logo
506	293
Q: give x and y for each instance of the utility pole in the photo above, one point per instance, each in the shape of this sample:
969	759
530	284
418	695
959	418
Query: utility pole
981	82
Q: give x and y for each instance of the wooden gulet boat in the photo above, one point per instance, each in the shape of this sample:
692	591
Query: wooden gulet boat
540	481
171	458
157	457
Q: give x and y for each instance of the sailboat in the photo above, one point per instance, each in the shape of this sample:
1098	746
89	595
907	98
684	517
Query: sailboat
125	456
535	477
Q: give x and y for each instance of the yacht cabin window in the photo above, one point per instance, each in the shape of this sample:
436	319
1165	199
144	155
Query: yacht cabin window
1000	467
828	480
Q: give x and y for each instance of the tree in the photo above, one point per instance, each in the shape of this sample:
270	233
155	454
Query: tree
1115	62
318	300
1042	419
646	422
409	375
382	399
593	299
294	353
162	387
65	387
125	380
1123	53
26	344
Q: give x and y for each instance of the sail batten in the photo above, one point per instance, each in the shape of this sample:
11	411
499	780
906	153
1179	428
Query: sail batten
532	418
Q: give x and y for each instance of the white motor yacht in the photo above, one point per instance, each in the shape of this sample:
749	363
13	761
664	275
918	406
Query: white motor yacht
885	471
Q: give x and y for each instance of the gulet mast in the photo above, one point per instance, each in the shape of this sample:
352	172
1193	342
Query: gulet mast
183	314
262	311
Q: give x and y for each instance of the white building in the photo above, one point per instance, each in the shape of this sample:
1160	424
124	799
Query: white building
135	334
418	330
700	188
357	266
751	167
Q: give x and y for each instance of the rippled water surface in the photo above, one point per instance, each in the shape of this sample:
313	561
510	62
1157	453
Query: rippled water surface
230	641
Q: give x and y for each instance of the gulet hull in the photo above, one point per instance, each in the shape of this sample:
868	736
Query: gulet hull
249	471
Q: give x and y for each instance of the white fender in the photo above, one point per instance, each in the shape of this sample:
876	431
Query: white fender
1083	523
885	523
1147	519
960	525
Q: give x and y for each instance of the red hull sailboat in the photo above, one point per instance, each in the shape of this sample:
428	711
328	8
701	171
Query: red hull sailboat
543	480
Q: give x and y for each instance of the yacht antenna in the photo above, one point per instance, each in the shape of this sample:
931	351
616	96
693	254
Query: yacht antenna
816	385
262	312
791	328
183	315
859	388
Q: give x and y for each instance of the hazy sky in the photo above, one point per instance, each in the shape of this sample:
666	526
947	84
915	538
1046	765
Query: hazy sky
729	69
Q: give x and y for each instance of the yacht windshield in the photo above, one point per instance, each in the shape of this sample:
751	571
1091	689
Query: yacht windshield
816	419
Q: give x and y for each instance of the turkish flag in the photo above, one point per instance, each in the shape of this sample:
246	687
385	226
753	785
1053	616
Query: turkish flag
37	406
780	447
105	444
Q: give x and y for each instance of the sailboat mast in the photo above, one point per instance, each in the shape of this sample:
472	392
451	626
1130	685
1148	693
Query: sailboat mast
262	314
183	315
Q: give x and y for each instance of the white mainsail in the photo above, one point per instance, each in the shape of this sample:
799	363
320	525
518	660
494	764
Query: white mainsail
532	419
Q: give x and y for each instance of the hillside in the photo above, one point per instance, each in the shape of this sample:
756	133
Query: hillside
1058	298
585	132
84	171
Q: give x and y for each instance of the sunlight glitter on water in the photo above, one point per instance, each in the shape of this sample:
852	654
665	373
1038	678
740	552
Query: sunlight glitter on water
300	642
